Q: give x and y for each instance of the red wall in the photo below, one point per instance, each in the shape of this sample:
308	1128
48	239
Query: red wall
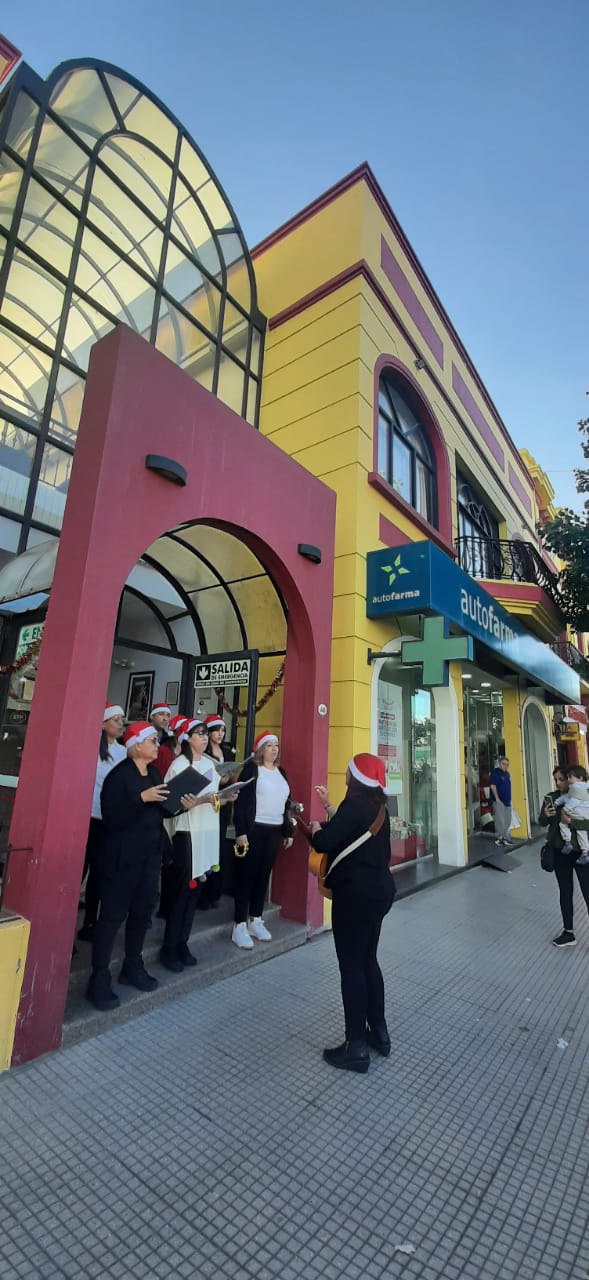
138	402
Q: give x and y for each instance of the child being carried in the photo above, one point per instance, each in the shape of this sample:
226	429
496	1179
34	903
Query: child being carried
576	805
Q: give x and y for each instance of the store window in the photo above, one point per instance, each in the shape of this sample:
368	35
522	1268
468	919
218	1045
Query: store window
484	744
406	742
404	455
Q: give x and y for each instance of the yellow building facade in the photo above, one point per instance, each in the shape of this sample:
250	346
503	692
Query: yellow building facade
354	330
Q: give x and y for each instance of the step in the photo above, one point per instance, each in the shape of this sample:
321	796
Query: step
217	956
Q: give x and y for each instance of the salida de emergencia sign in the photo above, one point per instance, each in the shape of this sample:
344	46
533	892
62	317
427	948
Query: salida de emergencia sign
234	671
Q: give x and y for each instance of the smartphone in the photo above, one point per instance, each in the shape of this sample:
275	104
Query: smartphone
549	804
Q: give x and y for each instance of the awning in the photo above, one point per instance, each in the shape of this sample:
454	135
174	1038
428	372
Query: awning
30	573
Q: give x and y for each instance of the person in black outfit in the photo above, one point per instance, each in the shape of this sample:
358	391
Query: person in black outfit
363	891
130	864
218	882
564	863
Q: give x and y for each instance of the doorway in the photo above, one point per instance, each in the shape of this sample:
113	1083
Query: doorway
536	758
484	742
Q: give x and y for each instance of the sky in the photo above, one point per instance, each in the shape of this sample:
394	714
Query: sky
473	115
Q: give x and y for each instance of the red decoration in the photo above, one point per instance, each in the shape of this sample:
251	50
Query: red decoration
32	652
270	691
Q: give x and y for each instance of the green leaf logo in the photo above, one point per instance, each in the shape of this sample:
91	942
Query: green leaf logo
395	569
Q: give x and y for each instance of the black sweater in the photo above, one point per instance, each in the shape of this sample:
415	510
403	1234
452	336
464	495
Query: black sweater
132	827
366	870
244	812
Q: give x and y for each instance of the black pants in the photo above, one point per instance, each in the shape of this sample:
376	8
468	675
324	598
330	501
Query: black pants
252	873
564	865
356	923
94	846
182	899
128	891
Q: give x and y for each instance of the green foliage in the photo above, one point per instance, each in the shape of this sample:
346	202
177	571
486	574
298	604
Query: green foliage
567	536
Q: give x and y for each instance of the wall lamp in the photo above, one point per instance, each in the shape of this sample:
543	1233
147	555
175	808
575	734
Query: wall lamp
167	468
419	363
309	552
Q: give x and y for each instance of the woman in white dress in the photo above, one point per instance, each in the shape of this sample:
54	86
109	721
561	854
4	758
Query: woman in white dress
195	845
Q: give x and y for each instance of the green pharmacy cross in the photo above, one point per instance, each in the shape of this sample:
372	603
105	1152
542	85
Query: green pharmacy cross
435	650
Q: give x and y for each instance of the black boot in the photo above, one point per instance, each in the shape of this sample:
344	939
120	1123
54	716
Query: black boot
352	1055
86	933
171	961
186	955
100	993
378	1038
134	974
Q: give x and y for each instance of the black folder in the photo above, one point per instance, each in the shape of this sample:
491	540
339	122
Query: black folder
187	783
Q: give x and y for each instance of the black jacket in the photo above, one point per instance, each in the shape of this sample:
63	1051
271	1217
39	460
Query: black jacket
244	811
132	828
366	870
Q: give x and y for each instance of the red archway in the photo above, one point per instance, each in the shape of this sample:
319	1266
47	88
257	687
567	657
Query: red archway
137	402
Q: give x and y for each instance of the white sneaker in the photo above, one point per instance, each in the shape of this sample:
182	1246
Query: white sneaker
258	930
240	936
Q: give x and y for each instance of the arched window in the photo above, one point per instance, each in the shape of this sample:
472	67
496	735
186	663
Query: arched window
404	455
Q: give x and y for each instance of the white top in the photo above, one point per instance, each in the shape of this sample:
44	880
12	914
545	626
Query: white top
272	792
202	823
117	753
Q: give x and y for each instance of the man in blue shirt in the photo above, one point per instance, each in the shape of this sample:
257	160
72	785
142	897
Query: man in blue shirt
500	784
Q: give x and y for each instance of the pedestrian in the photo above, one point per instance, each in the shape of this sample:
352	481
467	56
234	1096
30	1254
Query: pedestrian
133	817
500	784
110	753
363	891
176	728
261	820
195	846
575	804
565	864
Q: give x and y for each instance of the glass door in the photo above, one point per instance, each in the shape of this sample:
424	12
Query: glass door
483	744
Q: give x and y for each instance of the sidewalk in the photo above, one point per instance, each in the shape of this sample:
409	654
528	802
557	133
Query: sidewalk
208	1141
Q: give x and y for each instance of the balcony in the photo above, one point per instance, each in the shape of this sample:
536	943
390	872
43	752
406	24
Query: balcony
507	561
570	654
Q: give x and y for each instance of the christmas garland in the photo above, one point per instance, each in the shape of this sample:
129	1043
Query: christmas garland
270	691
31	652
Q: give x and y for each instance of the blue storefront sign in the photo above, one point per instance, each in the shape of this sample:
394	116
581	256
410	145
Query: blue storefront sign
419	578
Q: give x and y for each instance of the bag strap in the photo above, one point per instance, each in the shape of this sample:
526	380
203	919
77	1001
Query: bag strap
373	830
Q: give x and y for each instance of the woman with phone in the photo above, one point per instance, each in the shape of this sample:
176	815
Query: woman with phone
564	863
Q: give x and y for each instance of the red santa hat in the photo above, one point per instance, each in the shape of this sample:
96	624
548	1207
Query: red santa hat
176	722
214	722
367	769
159	708
263	738
109	712
136	733
186	729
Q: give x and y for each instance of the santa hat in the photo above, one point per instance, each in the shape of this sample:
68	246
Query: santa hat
136	733
214	722
367	769
263	738
176	722
186	729
109	712
159	708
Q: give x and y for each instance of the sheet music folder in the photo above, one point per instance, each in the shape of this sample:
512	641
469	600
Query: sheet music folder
187	783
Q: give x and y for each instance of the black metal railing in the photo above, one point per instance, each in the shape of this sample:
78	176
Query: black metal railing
511	561
569	653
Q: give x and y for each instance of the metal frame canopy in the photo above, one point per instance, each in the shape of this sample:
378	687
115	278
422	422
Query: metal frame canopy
109	212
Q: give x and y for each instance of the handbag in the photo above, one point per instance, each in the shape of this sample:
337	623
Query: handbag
319	862
547	857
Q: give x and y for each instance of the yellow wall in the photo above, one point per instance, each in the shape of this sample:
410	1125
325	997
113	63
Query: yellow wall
14	937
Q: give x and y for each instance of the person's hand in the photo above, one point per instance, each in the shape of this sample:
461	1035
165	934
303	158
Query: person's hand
241	840
155	795
287	843
231	795
188	802
549	810
323	794
564	817
315	827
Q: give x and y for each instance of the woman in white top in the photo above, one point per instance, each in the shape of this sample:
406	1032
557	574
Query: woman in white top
110	753
261	821
195	845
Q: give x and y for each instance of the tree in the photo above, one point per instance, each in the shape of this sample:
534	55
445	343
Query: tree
567	536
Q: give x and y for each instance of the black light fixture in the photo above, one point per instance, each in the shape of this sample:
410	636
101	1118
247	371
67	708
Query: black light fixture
309	552
167	468
419	363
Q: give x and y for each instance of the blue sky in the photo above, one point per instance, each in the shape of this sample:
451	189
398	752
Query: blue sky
473	116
